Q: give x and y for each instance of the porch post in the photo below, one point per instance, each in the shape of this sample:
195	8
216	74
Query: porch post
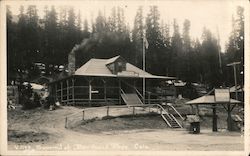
119	91
56	91
229	118
67	83
61	91
149	94
90	94
105	91
215	129
73	90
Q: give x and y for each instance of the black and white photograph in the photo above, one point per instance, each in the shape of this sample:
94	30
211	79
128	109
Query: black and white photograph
107	77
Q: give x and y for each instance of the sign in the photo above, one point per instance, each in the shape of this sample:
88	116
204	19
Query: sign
128	74
95	91
222	95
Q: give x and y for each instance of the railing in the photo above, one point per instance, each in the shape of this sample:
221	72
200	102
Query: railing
100	112
175	111
138	93
176	120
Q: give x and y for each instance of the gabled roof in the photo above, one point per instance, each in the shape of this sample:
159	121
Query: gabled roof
97	67
239	89
113	59
94	67
208	99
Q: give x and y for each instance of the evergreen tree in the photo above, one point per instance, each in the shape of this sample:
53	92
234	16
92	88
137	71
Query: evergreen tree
100	24
79	28
86	32
51	33
12	52
176	52
186	57
210	61
112	22
155	52
121	26
167	45
137	37
235	47
33	35
22	38
71	34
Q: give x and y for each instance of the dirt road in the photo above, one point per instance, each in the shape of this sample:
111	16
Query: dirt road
44	130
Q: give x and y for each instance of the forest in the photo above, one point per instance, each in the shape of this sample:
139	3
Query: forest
49	40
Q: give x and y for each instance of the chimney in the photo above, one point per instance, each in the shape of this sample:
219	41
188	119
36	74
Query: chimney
71	62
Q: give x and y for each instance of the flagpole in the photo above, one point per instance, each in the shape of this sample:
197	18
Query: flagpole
143	56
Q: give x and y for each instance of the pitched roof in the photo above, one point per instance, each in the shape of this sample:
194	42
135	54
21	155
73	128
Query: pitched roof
113	59
208	99
239	89
97	67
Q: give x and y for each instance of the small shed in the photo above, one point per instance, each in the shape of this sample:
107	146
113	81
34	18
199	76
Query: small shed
221	97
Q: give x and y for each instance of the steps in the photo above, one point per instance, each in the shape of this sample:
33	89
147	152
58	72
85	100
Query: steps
133	99
171	120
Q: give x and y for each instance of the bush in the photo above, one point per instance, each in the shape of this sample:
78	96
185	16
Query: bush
29	99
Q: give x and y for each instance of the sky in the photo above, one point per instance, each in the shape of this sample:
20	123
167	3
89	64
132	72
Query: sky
214	15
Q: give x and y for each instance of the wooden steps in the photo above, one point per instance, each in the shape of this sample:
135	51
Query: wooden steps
171	120
133	99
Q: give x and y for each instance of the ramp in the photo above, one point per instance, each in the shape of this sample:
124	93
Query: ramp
131	99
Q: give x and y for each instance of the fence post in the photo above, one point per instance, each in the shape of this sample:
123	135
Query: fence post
66	122
133	110
108	111
149	98
83	113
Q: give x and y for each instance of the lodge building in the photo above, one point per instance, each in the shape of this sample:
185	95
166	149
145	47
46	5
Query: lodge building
103	81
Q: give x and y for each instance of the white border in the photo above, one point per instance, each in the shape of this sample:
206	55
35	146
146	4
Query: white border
3	93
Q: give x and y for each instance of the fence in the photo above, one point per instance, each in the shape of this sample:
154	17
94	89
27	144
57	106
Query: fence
100	112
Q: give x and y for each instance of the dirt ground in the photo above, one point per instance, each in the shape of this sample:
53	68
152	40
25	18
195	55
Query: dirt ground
41	129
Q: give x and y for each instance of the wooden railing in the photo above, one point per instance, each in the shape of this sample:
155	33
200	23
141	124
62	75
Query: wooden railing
171	106
100	112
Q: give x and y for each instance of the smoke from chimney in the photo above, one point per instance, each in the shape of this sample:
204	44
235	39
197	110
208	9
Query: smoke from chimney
85	47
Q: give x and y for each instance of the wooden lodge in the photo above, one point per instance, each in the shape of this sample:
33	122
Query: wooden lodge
102	81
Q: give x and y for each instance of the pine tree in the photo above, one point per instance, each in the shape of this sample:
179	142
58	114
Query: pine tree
100	24
51	32
186	57
86	32
176	52
235	47
210	62
167	46
121	26
137	37
13	60
33	36
112	20
155	52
